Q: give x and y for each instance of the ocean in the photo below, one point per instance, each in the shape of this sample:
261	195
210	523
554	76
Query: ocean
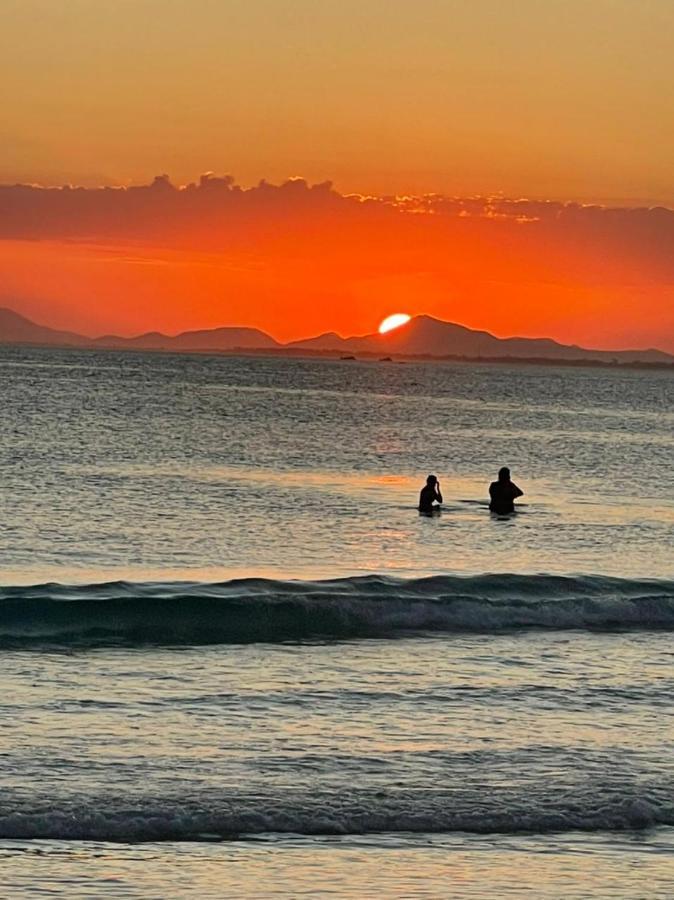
236	661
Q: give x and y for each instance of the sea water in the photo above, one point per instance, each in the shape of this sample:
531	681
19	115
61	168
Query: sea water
237	663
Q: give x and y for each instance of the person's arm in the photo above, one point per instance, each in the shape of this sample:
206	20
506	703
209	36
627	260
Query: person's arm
438	494
517	492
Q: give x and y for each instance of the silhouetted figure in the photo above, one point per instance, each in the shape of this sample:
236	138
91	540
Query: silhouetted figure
430	495
503	493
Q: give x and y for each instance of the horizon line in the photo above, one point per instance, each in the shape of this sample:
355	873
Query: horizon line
369	335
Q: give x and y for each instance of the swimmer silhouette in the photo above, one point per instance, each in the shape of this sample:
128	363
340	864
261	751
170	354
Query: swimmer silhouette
430	497
503	493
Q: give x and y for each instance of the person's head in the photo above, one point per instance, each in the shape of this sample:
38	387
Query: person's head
431	481
504	474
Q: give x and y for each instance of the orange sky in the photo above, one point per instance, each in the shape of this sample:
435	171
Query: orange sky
566	100
295	260
563	98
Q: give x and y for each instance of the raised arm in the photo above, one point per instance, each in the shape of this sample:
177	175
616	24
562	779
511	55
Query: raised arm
517	492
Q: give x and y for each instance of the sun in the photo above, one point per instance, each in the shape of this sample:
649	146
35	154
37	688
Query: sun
394	321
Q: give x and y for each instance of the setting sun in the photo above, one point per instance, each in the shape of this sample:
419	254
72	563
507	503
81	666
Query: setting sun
394	321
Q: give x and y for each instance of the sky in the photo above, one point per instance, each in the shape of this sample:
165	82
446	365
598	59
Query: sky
475	103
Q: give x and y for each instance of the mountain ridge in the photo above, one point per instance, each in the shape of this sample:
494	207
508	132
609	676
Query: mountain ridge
428	336
423	336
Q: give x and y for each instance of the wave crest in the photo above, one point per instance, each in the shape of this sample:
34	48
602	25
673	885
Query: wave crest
200	816
267	610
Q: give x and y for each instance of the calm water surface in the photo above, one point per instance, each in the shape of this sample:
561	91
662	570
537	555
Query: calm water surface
187	710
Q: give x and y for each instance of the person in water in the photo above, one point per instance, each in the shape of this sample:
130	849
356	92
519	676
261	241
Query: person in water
503	493
430	497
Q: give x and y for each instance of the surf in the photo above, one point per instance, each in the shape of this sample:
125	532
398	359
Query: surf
364	607
202	816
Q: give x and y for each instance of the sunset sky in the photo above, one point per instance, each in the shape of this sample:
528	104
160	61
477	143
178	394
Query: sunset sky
432	120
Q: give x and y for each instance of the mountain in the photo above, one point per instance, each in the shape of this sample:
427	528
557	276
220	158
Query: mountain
426	336
205	339
421	336
17	329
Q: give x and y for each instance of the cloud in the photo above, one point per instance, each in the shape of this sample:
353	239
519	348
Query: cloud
159	210
602	243
302	257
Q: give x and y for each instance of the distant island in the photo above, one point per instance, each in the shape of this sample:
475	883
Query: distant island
423	337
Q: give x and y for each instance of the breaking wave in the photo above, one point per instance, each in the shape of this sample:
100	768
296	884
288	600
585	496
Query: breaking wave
265	610
208	817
